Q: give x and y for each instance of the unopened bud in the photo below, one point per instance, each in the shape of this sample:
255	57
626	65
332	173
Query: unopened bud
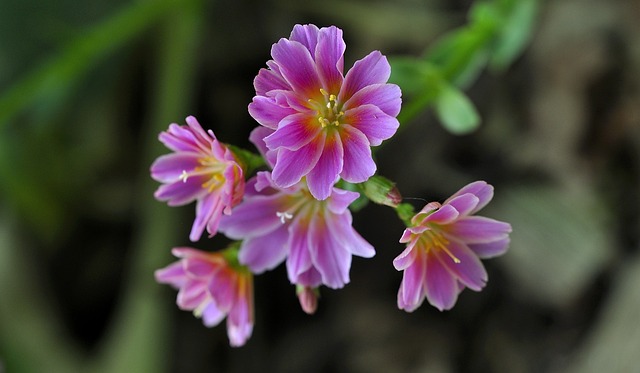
382	191
308	298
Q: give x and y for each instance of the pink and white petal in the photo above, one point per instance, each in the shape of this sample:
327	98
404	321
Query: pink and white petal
240	322
299	259
256	137
311	278
208	213
191	253
291	166
358	163
254	217
222	287
267	112
413	281
387	97
329	57
445	215
192	294
324	174
169	168
307	35
265	252
441	285
202	136
403	305
211	315
491	249
297	67
373	122
332	261
480	189
180	193
269	80
406	236
340	200
173	274
469	270
372	69
479	229
181	139
464	203
406	257
294	132
196	267
341	228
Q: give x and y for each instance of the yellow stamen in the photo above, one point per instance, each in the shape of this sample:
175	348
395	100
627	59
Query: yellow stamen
437	240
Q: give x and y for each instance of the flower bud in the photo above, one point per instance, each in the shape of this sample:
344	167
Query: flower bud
308	298
381	190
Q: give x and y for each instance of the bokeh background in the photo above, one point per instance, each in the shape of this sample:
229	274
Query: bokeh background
85	87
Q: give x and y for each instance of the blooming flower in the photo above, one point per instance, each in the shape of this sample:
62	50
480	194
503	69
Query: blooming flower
444	244
200	169
323	122
211	287
315	237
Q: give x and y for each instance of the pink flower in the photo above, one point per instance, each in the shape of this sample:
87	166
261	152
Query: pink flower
444	247
323	122
200	169
212	288
315	237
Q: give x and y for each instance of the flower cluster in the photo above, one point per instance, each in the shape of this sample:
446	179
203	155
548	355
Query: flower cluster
316	129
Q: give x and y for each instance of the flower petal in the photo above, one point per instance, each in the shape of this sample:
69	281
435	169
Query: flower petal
372	69
299	259
270	79
307	35
340	200
445	215
480	189
358	165
373	122
329	58
297	67
479	229
341	228
265	252
255	217
441	285
324	174
469	270
294	132
169	168
328	256
180	193
291	166
267	112
172	274
412	286
211	315
208	213
406	257
387	97
464	203
491	249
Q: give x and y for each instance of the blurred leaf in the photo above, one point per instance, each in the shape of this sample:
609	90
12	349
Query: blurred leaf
414	76
456	111
560	240
55	77
515	34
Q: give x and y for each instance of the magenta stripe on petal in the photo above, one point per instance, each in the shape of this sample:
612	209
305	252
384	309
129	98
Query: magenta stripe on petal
441	285
491	249
469	270
291	166
299	259
340	227
181	193
372	69
464	203
479	229
169	168
297	67
384	96
254	217
324	174
358	164
373	122
413	281
266	252
173	275
329	58
480	189
306	35
446	214
329	257
269	80
294	132
267	112
340	200
208	213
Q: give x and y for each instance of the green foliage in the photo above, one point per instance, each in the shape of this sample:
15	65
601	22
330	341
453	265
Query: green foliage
497	33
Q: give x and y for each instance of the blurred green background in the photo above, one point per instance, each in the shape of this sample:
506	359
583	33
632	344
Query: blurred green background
553	88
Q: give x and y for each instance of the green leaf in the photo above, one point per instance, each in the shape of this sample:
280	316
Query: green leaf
413	75
514	34
456	111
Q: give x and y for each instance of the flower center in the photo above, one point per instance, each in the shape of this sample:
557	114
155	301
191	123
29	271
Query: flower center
209	166
437	241
328	110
